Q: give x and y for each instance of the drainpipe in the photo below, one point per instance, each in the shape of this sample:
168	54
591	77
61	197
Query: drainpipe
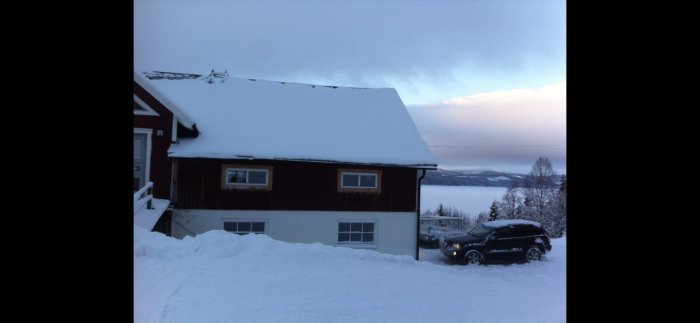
418	211
173	194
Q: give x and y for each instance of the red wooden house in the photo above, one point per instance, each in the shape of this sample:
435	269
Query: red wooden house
298	162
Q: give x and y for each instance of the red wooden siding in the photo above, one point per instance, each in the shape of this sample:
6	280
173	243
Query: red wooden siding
160	166
295	186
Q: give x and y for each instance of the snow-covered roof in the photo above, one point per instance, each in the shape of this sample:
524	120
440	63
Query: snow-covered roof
505	223
256	119
143	81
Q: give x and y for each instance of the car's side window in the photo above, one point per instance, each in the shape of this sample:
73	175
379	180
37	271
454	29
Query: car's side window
502	233
533	232
519	232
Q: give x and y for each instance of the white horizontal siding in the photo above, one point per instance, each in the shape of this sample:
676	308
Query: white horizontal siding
395	232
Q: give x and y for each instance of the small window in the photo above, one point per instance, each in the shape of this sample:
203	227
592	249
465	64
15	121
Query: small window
246	178
356	232
244	227
359	181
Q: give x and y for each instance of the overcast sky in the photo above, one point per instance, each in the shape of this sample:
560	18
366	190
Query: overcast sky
485	81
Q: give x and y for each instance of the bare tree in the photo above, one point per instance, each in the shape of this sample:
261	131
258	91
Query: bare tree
540	184
510	201
483	217
539	200
467	223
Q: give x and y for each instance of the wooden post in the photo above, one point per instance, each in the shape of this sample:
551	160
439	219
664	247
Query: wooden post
150	199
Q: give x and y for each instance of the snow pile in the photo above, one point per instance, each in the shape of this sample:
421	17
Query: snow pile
223	277
505	223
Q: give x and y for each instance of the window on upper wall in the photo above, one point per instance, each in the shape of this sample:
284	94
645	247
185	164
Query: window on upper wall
361	181
244	227
246	177
356	232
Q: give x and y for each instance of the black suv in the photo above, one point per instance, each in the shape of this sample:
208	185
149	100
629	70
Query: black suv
498	241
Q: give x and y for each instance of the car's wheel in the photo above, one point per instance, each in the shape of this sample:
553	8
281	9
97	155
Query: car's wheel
472	257
533	254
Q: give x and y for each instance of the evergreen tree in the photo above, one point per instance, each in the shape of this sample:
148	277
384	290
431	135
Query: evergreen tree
494	211
558	223
440	211
562	186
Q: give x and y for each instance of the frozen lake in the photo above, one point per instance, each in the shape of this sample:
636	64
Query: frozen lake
469	199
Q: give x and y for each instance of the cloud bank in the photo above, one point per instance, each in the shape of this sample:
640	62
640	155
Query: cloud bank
508	129
422	48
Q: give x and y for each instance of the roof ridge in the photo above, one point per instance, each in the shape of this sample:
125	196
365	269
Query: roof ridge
158	75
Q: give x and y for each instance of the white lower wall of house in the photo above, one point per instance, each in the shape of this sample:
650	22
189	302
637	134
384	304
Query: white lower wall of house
395	232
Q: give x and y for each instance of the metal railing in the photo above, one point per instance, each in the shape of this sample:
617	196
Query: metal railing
144	196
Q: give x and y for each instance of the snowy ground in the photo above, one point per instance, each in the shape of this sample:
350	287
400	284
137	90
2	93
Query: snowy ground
469	199
223	277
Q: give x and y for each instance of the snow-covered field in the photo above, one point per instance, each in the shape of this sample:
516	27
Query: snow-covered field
469	199
223	277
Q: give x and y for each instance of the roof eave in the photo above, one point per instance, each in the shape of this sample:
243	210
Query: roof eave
307	160
181	116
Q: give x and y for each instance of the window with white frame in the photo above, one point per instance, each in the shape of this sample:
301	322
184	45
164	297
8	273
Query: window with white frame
359	181
244	227
235	177
356	232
